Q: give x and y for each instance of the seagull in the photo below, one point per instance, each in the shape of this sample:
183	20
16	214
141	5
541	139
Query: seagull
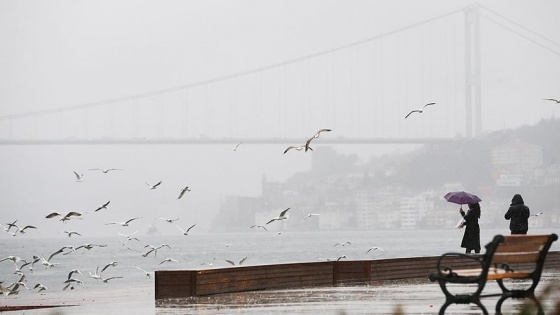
125	223
47	262
552	99
104	206
168	260
154	249
169	220
128	237
187	231
40	286
315	136
419	110
72	233
106	280
89	246
13	259
309	216
73	271
154	186
259	226
113	264
343	243
237	146
298	148
10	226
148	274
79	177
72	280
536	214
282	216
95	275
183	191
240	262
374	248
211	263
106	170
64	218
22	231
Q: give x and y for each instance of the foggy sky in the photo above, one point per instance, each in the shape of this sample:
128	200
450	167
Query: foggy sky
56	54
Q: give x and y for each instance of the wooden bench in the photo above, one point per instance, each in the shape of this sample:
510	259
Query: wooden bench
506	257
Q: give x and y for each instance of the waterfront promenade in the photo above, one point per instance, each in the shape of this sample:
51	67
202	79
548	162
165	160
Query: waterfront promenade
411	296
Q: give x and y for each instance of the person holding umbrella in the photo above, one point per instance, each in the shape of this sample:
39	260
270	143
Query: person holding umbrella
518	214
471	238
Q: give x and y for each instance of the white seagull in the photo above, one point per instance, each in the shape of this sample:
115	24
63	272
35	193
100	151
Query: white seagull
343	243
552	99
70	233
185	232
104	206
65	217
125	223
240	262
168	260
315	136
40	287
148	274
113	264
169	220
309	216
183	191
536	214
154	186
105	170
79	177
237	146
374	248
110	278
258	226
282	216
298	148
419	110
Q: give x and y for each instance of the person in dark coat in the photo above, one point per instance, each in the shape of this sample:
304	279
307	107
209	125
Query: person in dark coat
518	215
471	238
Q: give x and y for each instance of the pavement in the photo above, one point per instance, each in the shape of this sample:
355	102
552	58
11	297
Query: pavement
416	296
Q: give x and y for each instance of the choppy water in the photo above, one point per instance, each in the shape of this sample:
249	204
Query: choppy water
197	250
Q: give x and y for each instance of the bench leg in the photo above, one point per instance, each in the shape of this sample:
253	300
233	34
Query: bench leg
517	294
459	299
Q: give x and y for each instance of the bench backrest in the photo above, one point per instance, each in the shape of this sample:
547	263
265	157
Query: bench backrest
523	248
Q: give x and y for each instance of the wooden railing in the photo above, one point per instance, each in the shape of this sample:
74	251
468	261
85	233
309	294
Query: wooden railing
185	283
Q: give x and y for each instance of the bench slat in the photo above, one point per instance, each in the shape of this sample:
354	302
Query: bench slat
515	258
525	239
519	247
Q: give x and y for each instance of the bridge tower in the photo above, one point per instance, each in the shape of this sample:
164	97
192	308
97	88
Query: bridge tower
472	72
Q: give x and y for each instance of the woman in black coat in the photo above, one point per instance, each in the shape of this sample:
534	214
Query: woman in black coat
471	238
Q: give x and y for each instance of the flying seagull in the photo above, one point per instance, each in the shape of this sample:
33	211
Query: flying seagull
106	170
374	248
282	216
552	99
343	243
240	262
65	217
40	287
79	177
185	232
148	274
315	136
113	264
125	223
309	216
237	146
104	206
70	233
168	260
259	226
536	214
169	220
298	148
183	191
22	230
419	110
154	186
106	280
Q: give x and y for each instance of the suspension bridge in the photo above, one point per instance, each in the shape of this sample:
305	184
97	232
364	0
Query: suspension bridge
361	90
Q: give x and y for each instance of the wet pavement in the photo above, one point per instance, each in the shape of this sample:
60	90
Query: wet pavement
417	296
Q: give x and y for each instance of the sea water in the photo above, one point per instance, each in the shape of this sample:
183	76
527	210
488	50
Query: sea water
211	250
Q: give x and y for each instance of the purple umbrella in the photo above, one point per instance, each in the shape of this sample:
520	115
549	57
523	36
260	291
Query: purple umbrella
461	197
